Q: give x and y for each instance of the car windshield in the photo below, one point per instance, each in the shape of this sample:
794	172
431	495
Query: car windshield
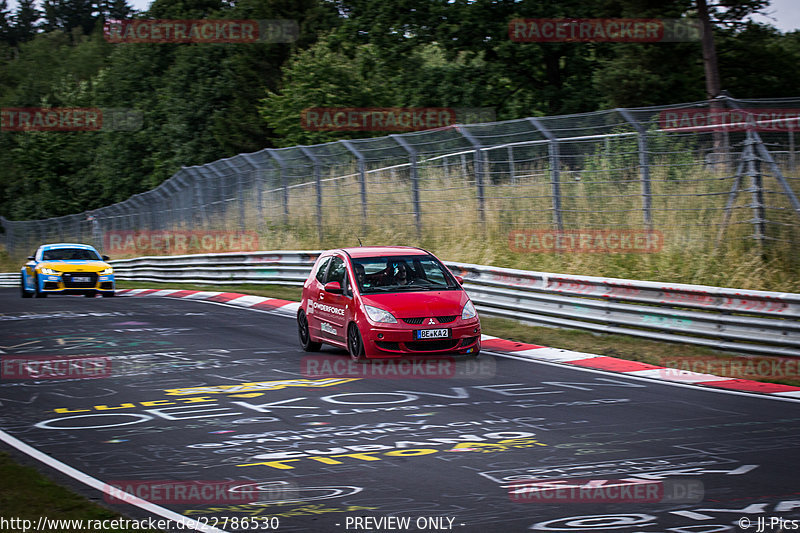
401	274
70	254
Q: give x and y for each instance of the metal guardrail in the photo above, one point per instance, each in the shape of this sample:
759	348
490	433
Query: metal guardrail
9	279
265	268
757	322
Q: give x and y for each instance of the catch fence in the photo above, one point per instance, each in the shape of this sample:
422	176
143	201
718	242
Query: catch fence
701	174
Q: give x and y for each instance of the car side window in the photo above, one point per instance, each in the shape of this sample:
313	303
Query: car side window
322	268
337	271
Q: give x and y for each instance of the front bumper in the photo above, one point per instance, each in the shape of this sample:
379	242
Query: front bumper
379	341
64	284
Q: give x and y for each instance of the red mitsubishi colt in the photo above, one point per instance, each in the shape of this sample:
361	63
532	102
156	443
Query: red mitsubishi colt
386	302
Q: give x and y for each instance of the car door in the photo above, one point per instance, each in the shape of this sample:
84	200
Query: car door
313	292
333	306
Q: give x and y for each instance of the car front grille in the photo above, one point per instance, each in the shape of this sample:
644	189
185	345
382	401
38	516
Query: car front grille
446	319
432	346
71	284
391	346
416	320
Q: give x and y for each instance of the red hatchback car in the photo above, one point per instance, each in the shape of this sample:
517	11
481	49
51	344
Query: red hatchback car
382	302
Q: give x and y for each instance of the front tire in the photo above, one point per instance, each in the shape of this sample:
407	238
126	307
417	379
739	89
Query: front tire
355	343
37	293
305	334
22	291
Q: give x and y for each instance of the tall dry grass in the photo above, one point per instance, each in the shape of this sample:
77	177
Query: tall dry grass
701	245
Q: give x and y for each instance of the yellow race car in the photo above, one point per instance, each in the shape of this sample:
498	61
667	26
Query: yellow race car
66	268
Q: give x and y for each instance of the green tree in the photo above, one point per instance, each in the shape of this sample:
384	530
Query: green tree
67	15
5	23
26	21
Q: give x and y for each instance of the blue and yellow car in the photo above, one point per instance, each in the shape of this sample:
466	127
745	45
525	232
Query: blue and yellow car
66	268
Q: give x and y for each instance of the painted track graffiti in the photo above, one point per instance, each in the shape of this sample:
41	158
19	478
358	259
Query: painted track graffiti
227	400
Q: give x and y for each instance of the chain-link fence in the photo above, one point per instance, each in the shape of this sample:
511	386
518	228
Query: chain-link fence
707	174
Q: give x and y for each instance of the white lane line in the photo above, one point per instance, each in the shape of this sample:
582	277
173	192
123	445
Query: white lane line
105	487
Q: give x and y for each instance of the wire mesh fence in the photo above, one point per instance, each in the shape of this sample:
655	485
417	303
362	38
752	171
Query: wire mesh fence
704	174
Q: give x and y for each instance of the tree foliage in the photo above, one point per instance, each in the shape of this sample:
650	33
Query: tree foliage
202	102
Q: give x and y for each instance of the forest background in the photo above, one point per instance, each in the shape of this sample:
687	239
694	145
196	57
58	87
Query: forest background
203	102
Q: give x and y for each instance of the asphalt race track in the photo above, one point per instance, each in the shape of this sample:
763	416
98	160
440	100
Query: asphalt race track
164	392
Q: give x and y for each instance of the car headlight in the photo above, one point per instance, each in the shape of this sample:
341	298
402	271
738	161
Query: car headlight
107	271
468	311
50	271
379	315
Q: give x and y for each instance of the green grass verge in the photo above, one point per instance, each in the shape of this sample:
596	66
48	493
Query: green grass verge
25	494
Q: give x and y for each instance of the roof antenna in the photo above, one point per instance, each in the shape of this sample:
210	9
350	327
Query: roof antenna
359	240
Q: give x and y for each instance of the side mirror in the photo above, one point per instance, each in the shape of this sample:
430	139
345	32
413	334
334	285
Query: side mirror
30	258
333	287
106	258
460	280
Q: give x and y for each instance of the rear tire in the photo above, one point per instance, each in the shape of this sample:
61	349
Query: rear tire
305	334
355	344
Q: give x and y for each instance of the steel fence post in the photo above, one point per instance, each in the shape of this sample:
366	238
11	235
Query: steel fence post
284	182
239	191
318	182
259	185
478	164
555	170
362	178
644	166
412	154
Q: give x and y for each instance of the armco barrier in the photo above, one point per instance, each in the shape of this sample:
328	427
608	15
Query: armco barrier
9	279
272	268
731	319
757	322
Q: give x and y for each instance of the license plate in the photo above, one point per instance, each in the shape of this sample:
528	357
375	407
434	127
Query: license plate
81	279
424	334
